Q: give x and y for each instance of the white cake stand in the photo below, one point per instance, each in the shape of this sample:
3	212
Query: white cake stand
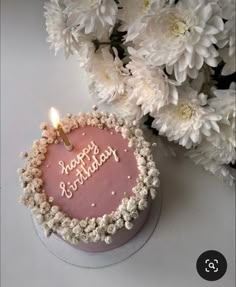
71	255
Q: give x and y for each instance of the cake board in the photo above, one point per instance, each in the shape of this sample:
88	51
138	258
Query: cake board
76	257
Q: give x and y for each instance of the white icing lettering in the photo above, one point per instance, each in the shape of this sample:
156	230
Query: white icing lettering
82	171
65	192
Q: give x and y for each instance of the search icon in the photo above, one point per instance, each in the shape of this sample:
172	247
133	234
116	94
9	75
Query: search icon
211	265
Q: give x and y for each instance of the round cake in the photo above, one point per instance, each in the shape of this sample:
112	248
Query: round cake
98	195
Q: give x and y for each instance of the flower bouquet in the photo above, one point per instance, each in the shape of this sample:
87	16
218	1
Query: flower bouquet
170	61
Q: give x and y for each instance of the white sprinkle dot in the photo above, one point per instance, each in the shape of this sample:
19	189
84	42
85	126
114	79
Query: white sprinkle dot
47	165
125	150
51	199
68	183
129	177
154	144
83	134
23	154
111	133
93	204
113	192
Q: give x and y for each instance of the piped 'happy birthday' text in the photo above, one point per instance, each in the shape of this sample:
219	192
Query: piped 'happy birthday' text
90	154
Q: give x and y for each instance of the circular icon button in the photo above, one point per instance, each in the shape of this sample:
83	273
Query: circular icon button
211	265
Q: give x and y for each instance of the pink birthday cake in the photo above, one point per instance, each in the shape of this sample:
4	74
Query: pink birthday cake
98	195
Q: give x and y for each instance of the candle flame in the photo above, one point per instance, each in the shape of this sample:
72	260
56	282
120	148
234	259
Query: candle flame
54	116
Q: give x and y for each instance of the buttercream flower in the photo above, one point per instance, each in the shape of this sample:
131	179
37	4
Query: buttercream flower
145	152
59	216
134	214
182	37
43	149
90	228
125	132
39	218
66	222
83	223
126	215
148	86
111	229
142	204
116	215
77	229
144	191
153	192
84	237
131	205
108	239
128	225
119	223
44	207
107	75
92	16
54	209
106	218
96	237
187	121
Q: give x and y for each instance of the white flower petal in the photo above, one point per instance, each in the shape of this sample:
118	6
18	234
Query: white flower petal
217	22
211	62
211	30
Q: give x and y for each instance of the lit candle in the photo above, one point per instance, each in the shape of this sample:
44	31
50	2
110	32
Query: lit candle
54	115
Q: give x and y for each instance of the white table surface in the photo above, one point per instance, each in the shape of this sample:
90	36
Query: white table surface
198	210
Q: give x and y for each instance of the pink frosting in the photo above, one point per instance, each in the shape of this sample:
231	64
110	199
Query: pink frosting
119	177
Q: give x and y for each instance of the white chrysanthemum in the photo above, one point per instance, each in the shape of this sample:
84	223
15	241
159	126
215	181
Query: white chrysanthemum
85	51
61	35
182	37
92	16
186	122
204	81
127	109
148	86
227	40
214	158
224	103
227	8
220	147
107	75
230	61
218	150
131	14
